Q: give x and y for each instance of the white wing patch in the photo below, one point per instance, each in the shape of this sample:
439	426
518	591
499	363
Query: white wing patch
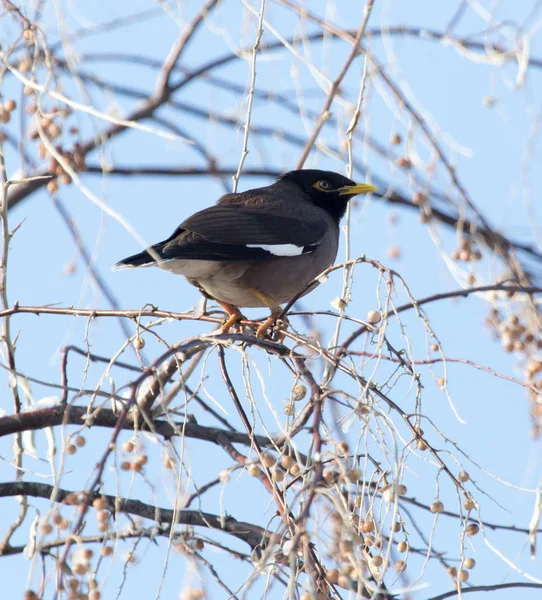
279	249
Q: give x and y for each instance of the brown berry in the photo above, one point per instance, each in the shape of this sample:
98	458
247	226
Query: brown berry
421	445
299	392
253	470
329	477
142	459
462	575
46	528
10	105
377	561
198	544
295	470
469	563
102	515
343	447
332	576
287	461
368	526
268	461
436	507
278	475
394	251
87	553
400	566
472	529
52	186
139	343
463	476
419	199
99	503
373	316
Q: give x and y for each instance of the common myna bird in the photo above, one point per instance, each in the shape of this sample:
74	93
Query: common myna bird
260	247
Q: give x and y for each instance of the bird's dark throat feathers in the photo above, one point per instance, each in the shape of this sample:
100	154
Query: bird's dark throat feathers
331	201
336	205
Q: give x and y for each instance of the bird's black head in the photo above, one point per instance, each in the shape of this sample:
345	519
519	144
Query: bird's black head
331	191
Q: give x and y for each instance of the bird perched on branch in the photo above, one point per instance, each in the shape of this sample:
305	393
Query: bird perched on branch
261	247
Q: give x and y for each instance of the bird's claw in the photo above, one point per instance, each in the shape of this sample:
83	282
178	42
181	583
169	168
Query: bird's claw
233	321
277	327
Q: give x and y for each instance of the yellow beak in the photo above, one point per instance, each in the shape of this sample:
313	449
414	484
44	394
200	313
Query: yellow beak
358	188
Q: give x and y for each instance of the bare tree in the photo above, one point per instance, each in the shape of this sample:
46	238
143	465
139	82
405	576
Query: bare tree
144	452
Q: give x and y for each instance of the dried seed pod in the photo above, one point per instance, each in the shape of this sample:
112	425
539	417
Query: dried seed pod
52	186
287	461
139	343
332	576
469	504
394	251
295	470
268	461
400	565
463	476
368	526
299	392
373	317
99	503
401	489
419	199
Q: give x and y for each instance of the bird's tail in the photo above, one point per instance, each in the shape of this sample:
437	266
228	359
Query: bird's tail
142	259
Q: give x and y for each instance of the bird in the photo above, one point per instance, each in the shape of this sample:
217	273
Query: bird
261	247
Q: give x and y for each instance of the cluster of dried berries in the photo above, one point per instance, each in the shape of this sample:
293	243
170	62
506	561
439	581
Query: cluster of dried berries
467	251
523	337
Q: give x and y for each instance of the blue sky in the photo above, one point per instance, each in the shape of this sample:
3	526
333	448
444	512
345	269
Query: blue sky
488	147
